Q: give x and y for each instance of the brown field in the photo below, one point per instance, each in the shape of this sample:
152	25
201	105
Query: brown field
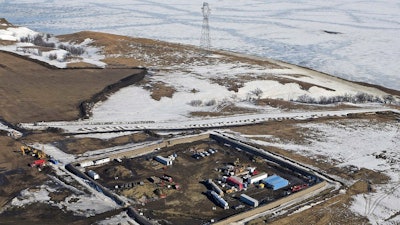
15	174
32	92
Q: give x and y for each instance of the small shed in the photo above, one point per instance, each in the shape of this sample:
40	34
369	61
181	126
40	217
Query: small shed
275	182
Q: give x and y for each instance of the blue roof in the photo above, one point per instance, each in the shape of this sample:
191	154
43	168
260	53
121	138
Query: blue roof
276	182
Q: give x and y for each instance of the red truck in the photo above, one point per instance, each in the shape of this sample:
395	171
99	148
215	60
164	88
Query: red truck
38	163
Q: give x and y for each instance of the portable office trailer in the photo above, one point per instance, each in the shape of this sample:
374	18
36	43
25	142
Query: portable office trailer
275	182
163	160
86	163
220	201
93	175
249	200
101	161
215	187
257	178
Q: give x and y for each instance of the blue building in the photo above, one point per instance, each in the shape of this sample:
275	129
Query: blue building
275	182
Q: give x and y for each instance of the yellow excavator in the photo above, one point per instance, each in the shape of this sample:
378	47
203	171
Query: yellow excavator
39	154
35	152
25	150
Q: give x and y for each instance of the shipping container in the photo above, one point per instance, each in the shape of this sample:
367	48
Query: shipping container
249	200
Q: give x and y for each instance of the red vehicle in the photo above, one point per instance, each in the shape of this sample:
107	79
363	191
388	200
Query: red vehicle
298	187
39	163
167	178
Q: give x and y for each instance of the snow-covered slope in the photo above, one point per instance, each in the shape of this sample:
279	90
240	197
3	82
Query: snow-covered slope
47	48
196	90
353	40
220	83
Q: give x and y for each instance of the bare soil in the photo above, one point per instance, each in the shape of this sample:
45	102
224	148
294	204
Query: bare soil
189	205
33	92
15	174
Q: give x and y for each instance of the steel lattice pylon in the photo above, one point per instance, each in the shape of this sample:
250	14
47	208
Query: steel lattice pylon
205	41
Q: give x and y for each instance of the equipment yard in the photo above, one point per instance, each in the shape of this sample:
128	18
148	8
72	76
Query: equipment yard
178	190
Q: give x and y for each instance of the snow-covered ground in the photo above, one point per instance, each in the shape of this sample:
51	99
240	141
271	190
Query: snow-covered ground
364	144
353	40
135	103
83	126
121	219
81	205
56	56
10	130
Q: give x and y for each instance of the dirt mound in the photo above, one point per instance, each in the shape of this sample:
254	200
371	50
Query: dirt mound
118	171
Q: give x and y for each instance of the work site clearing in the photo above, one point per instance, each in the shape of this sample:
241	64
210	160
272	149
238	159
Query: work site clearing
123	159
179	193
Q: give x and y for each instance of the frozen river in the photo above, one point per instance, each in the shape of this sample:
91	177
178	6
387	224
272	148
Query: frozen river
356	40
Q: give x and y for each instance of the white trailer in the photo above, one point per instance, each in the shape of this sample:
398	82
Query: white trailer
215	187
86	164
93	175
257	178
101	161
219	199
163	160
249	200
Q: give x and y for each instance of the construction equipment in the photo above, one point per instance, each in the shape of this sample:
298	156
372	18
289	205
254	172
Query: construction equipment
38	163
25	150
237	162
297	188
35	152
39	154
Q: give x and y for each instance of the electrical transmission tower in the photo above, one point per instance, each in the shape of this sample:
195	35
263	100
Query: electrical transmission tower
205	41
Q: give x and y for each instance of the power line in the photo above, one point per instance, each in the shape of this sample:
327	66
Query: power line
205	41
